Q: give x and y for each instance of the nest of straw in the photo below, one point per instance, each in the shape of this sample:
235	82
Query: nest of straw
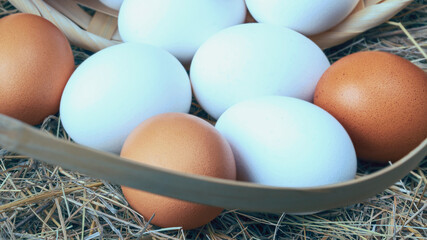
41	201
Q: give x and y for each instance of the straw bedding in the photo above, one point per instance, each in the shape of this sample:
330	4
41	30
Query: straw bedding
40	201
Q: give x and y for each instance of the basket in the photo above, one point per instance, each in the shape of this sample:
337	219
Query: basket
100	30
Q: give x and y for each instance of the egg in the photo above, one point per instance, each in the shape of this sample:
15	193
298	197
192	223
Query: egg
114	4
181	26
380	99
287	142
253	60
184	143
117	88
36	62
308	17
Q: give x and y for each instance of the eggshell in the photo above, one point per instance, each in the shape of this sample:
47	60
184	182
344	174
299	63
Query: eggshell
253	60
36	62
380	99
181	26
308	17
119	87
183	143
114	4
287	142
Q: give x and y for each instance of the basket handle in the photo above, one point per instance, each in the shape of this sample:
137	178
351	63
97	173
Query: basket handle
24	139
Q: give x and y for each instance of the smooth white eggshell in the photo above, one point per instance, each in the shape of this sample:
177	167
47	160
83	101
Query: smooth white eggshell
179	26
287	142
114	4
308	17
253	60
117	88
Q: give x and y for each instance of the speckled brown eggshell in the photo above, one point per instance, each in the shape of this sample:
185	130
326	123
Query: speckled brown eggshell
36	62
380	99
183	143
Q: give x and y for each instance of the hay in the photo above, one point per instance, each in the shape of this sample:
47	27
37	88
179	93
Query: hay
40	201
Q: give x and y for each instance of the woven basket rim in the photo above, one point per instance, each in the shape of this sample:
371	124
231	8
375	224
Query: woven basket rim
369	14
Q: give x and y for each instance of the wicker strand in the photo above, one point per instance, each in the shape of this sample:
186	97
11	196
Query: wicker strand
74	33
371	16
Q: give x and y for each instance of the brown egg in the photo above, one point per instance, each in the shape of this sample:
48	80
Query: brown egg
380	99
183	143
36	62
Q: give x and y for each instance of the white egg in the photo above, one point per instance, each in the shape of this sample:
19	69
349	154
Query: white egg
179	26
287	142
253	60
117	88
114	4
308	17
